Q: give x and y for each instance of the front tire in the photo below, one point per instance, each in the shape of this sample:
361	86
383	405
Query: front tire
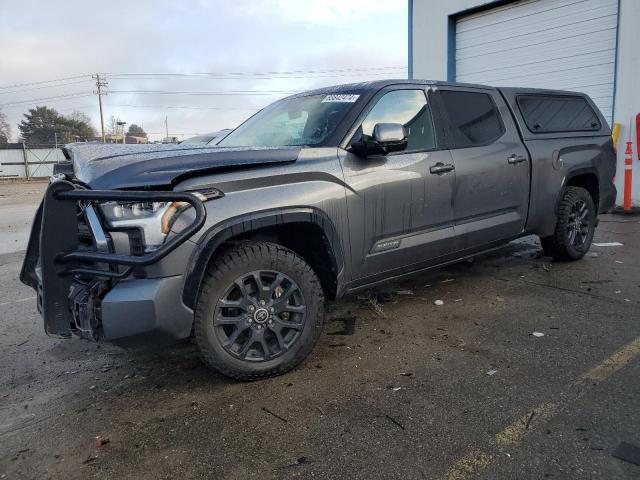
260	311
575	226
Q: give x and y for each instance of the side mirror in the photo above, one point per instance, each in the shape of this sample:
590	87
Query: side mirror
387	137
390	136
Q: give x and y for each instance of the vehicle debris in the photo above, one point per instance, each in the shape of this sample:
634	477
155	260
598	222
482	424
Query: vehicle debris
394	421
493	371
349	326
102	441
438	302
537	334
608	244
404	292
282	419
627	452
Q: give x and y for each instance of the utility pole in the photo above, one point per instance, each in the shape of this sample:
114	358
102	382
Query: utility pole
166	127
100	82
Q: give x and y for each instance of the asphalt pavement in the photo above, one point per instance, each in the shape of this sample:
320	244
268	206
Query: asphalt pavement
529	369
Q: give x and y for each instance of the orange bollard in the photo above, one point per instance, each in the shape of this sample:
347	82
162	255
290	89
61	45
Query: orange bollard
628	165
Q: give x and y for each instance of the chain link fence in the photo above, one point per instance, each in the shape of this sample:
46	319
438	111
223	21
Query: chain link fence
24	161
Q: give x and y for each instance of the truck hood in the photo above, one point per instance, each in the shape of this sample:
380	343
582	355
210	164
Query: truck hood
107	167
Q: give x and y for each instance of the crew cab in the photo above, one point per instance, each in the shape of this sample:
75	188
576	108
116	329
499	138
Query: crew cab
318	195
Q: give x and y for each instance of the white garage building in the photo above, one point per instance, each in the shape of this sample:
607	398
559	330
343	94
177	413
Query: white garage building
591	46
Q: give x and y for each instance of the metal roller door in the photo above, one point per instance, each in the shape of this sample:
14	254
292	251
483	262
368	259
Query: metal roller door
562	44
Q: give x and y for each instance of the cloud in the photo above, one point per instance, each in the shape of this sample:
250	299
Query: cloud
43	41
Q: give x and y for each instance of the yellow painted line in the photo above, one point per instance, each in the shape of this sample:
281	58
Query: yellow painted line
517	430
468	465
513	434
614	363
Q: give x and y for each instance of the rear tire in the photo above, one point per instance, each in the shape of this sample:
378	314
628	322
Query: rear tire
259	313
574	228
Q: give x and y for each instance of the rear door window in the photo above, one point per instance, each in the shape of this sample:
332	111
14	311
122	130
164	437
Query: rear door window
408	108
546	113
474	119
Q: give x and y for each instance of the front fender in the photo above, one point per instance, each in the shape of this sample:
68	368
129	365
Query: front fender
212	239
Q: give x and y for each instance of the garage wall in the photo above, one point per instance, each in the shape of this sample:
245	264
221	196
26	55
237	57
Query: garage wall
561	44
431	44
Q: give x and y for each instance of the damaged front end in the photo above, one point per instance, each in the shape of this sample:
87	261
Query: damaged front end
71	260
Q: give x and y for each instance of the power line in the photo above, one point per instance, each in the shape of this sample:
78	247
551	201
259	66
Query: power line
186	92
256	74
44	81
42	87
186	107
198	77
42	99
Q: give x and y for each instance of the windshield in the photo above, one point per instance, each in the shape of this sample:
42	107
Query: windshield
293	121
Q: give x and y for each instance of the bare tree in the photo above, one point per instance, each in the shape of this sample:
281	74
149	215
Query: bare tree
5	129
82	118
112	126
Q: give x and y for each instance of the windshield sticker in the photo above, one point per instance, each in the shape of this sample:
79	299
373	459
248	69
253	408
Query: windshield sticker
350	98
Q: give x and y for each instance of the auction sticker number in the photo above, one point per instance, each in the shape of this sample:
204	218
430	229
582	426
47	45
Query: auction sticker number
344	98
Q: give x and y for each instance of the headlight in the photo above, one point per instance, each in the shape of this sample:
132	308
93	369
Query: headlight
153	218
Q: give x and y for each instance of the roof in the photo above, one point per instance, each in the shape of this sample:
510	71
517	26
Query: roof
375	85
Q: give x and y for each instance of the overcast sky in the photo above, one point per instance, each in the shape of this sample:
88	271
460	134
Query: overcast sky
48	40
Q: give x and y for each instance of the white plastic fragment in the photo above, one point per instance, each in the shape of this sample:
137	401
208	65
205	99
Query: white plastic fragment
438	303
608	244
493	371
537	334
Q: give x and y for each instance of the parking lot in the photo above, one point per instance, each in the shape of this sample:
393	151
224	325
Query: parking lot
529	369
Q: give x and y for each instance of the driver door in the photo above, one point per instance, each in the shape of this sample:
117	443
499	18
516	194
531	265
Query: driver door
399	204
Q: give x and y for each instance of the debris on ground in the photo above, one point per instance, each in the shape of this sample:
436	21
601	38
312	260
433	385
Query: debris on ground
101	441
89	459
395	388
406	374
537	334
349	325
266	410
627	452
404	292
448	280
608	244
491	372
384	297
438	302
394	421
375	305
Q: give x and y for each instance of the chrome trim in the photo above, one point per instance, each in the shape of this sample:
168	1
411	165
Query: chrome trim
96	229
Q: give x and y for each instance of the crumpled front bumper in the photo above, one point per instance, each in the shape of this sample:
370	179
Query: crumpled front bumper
90	290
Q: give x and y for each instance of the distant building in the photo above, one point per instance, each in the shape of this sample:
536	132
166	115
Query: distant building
134	139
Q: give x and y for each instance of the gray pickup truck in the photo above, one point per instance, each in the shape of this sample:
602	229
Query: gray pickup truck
318	195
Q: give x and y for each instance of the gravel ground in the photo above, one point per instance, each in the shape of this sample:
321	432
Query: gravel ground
461	390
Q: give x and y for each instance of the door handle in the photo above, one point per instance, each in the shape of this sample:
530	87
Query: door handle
513	159
440	167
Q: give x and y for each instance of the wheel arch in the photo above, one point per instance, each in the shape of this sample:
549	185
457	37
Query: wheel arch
284	226
586	178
